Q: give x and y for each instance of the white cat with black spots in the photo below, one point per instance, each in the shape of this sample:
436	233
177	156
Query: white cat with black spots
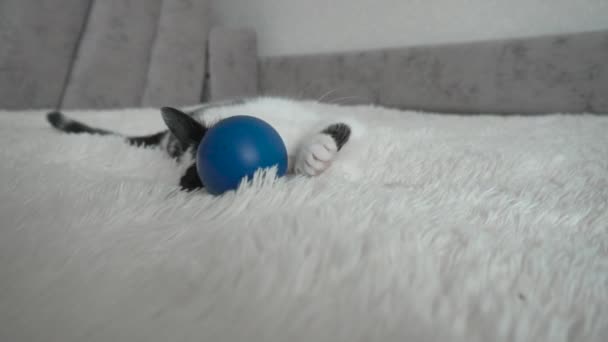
313	141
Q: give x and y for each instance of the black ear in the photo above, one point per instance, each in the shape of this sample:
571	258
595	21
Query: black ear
184	127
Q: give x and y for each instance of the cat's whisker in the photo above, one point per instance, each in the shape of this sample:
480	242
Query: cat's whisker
337	101
320	99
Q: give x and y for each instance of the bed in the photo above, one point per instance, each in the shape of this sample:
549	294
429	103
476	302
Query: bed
482	214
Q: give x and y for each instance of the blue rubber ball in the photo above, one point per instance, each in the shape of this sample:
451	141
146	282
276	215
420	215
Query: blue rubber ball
235	148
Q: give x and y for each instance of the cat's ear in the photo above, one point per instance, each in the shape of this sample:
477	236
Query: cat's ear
184	127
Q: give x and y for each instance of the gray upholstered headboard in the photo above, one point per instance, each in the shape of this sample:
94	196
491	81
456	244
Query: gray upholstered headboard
564	73
130	53
101	54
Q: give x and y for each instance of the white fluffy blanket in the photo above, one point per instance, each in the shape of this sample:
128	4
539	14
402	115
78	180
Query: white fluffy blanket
463	229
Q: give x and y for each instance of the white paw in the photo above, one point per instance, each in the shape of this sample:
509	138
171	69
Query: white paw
316	155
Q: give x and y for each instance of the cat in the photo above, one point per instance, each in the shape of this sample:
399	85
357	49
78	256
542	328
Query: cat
311	139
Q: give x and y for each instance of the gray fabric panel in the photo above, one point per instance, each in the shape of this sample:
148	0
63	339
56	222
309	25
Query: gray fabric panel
566	73
112	63
37	40
233	63
343	78
177	66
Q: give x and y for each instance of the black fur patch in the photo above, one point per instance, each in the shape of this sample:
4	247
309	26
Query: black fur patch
340	132
64	124
148	140
190	180
55	119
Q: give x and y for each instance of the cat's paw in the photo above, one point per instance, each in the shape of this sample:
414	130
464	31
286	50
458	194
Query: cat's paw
316	155
190	180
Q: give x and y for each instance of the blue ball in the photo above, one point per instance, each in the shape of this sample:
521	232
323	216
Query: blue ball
235	148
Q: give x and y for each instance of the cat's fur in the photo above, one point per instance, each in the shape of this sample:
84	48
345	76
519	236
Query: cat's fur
312	140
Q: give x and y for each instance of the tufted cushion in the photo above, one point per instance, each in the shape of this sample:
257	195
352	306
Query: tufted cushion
37	41
140	52
112	62
233	59
176	70
131	53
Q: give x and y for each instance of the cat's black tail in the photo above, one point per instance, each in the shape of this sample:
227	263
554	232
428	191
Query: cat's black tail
67	125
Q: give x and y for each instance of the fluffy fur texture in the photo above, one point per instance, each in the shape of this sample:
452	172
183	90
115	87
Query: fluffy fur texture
452	228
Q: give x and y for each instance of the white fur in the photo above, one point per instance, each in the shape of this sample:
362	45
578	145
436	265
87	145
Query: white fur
455	229
310	152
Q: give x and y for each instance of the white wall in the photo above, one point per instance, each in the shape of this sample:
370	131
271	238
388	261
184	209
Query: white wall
287	27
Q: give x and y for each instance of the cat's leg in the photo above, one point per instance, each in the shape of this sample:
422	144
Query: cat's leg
317	152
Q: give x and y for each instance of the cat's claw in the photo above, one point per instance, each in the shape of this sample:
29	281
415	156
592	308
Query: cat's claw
316	156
